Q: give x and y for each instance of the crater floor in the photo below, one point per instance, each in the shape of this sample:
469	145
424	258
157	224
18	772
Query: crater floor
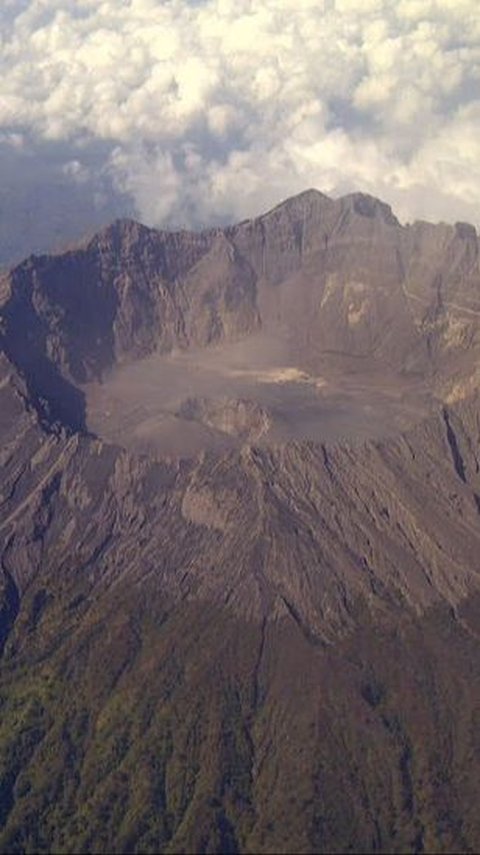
251	391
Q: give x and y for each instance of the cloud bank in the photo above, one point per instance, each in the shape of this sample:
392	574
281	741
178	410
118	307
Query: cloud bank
209	111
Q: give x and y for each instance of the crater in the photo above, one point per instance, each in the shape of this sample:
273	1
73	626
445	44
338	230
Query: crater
254	391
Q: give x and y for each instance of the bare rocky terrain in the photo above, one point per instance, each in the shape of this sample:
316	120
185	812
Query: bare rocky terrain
239	521
228	394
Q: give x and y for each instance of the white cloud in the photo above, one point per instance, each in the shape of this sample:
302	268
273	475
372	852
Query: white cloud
214	110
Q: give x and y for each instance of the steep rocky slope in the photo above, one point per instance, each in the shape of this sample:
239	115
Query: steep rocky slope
260	647
336	277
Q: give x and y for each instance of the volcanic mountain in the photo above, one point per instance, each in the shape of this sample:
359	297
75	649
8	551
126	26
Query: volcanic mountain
240	530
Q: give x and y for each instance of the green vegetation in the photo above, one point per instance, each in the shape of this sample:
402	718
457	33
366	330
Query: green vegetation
142	731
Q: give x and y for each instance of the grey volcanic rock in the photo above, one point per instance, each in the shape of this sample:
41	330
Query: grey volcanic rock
335	277
243	419
258	645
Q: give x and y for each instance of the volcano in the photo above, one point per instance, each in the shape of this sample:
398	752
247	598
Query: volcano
240	537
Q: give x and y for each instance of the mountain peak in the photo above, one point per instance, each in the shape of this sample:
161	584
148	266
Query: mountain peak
369	206
305	201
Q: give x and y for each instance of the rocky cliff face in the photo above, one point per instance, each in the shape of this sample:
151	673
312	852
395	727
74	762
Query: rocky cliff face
263	647
337	276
